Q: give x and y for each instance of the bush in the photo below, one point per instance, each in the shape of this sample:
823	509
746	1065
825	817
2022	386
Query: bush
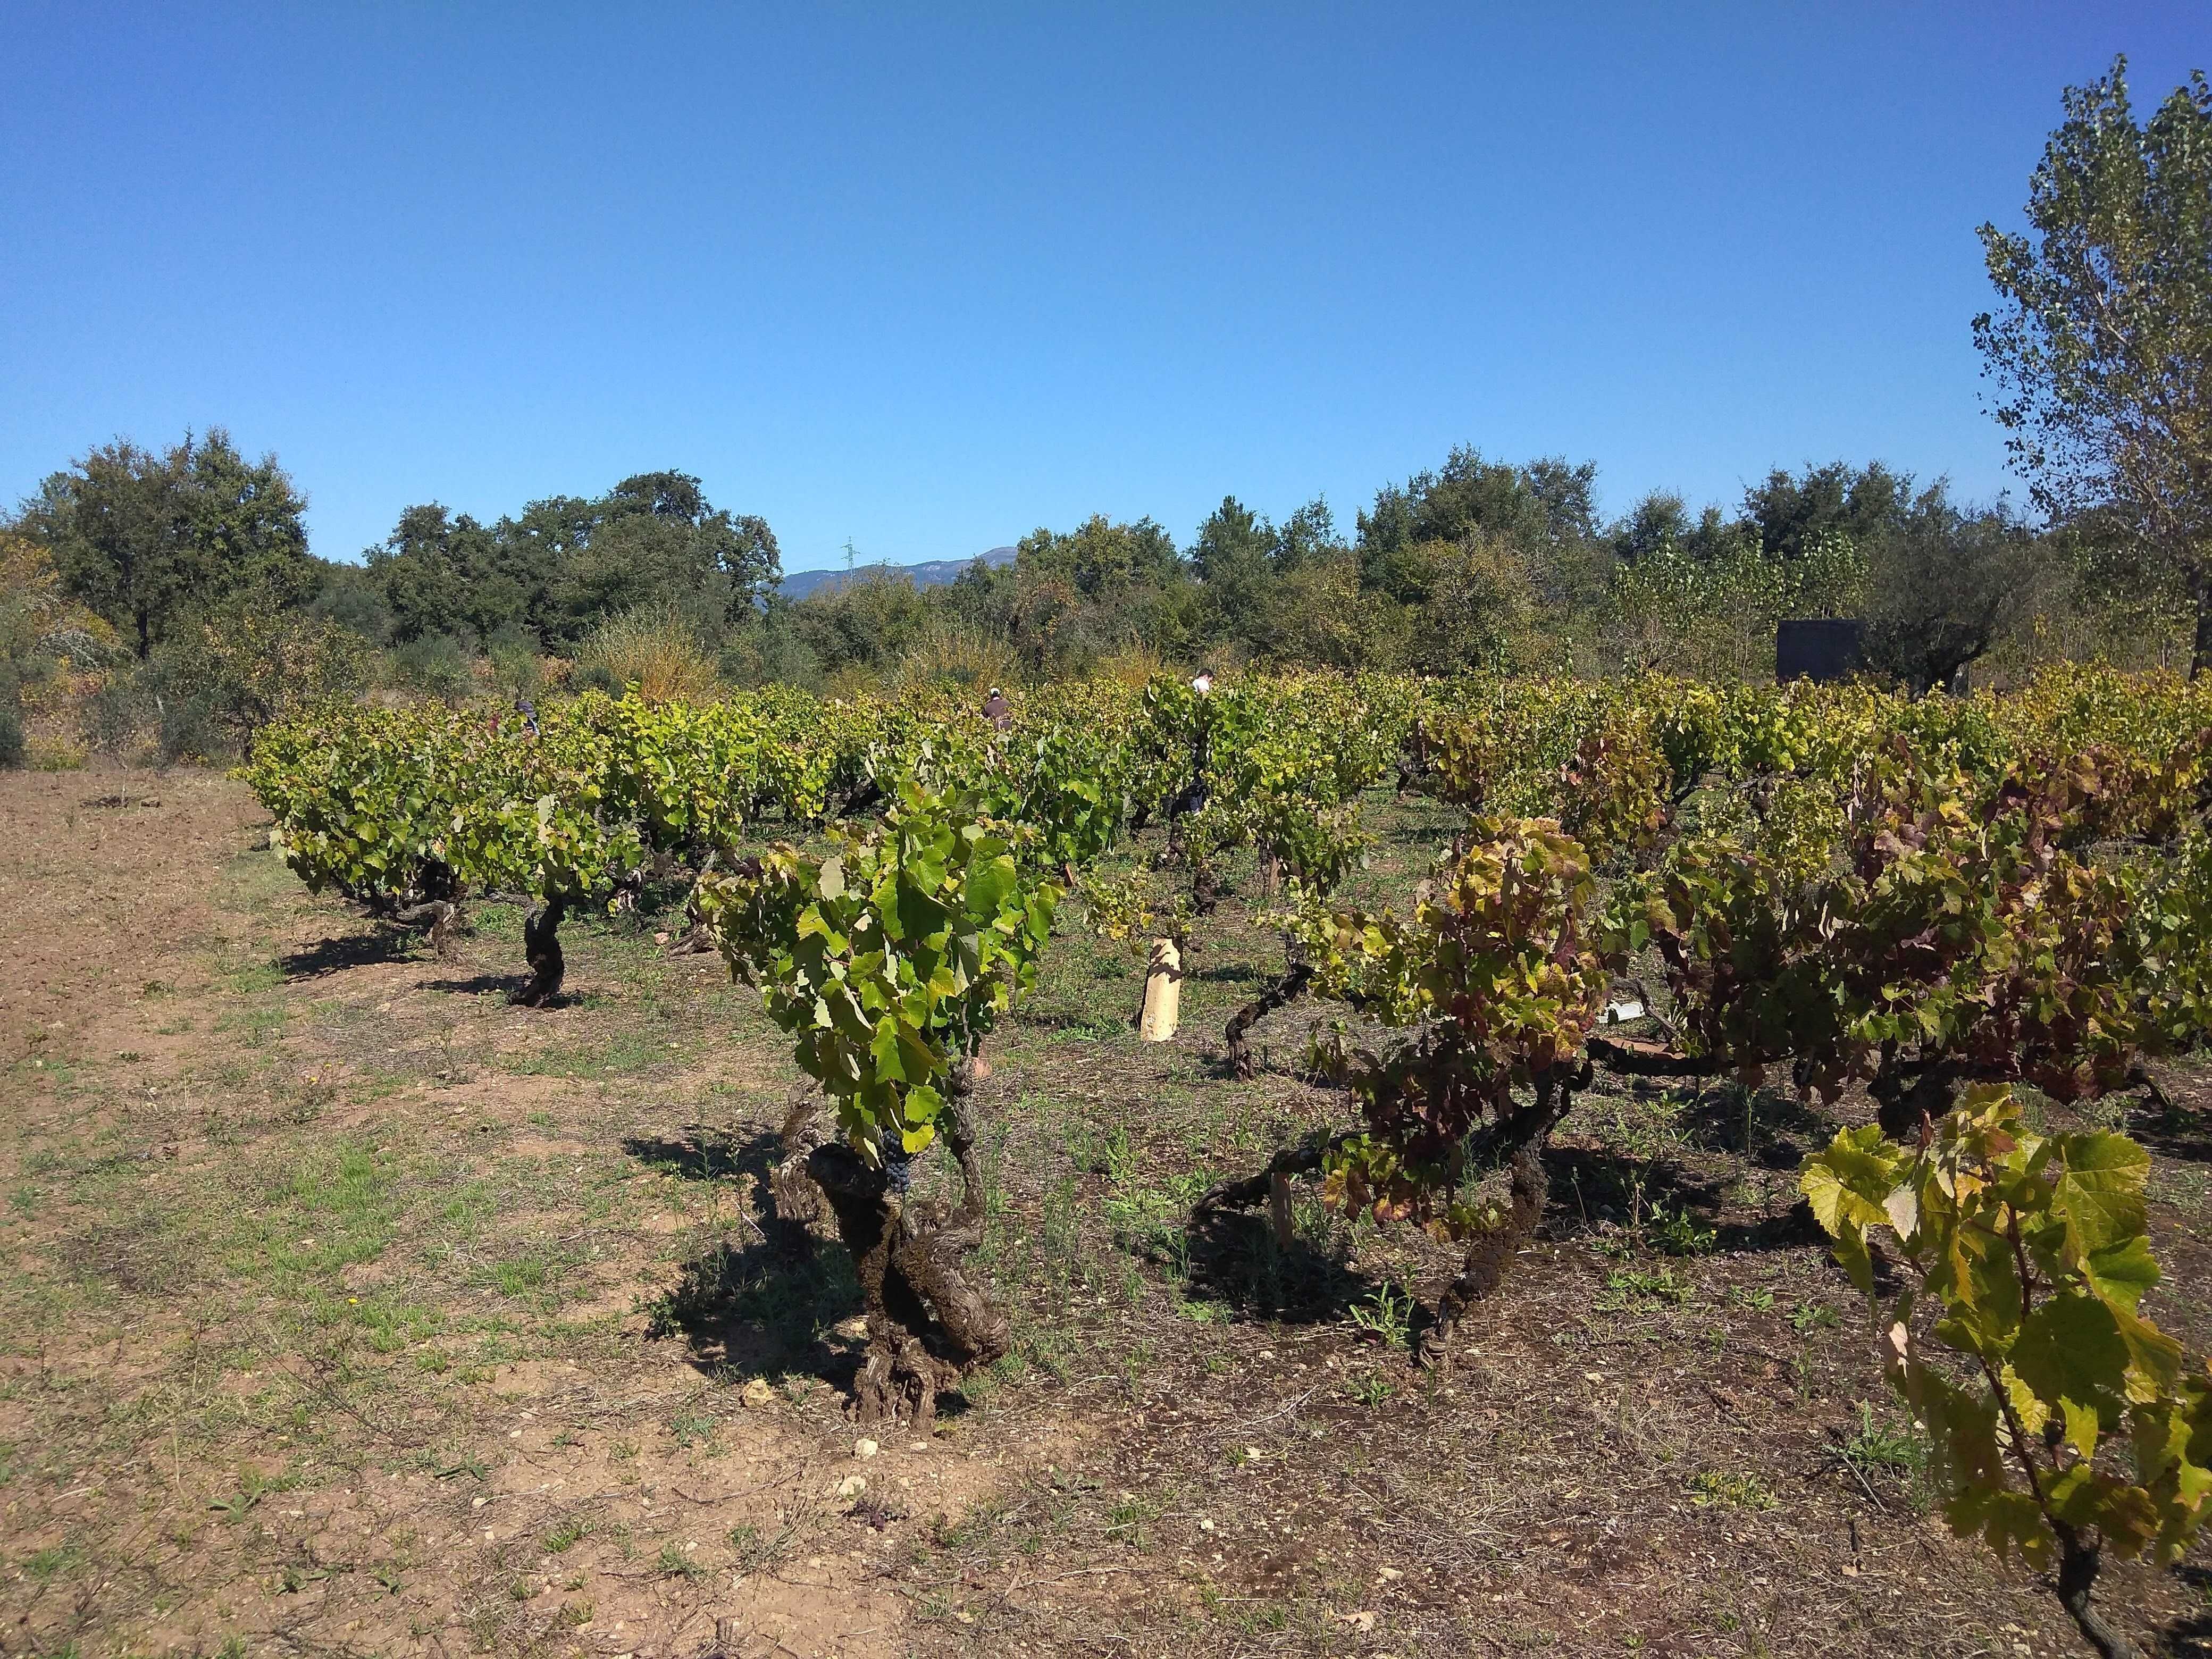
188	729
115	716
1479	611
1948	586
770	653
136	712
514	652
352	597
11	738
865	621
1709	612
1319	614
248	662
438	665
53	652
654	648
951	655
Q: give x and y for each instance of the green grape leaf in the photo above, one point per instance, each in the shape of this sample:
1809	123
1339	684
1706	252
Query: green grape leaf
922	1107
2099	1191
2123	1273
991	884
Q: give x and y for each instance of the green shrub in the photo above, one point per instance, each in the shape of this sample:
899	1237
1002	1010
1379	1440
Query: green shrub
250	661
115	717
770	653
436	664
187	729
514	652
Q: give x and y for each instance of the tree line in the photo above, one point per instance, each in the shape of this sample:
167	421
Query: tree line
1479	564
1473	565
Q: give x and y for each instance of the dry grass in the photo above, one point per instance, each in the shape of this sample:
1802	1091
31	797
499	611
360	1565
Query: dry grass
1133	665
656	649
950	653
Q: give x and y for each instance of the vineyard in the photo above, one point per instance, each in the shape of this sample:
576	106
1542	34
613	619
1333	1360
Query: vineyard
1969	914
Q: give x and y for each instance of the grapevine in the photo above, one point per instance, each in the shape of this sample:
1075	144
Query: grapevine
2073	1425
888	960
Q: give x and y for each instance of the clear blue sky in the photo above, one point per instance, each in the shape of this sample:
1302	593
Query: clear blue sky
927	277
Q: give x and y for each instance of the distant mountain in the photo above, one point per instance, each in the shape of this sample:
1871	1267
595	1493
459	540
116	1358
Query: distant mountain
804	584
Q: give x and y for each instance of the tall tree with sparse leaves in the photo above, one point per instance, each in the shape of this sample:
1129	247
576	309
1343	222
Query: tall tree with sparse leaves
2102	350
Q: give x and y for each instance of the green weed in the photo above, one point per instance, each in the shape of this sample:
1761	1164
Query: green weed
565	1535
1373	1389
1386	1313
1742	1491
1627	1285
1677	1233
677	1561
49	1563
1809	1317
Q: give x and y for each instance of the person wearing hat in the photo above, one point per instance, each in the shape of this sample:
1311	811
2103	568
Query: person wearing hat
998	710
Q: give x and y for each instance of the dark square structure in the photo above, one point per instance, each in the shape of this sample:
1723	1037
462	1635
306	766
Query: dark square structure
1818	649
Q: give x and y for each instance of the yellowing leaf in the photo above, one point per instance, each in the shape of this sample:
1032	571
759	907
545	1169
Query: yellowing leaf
2082	1426
1903	1208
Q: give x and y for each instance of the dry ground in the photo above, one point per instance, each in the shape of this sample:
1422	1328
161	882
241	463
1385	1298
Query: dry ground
345	1309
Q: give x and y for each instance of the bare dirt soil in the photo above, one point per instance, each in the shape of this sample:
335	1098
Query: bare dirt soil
346	1310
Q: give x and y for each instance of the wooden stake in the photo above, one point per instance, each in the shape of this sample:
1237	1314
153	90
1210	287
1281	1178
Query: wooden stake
1278	1208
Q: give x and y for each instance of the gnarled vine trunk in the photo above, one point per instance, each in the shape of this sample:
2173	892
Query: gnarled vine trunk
1283	990
441	917
433	901
1521	1138
1518	1140
1907	1094
1414	760
1204	886
698	938
541	947
2078	1561
1483	1269
929	1321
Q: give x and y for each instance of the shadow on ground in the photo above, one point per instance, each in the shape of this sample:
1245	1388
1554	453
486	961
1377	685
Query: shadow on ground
695	1152
1230	973
1594	1185
335	956
1776	1130
1234	1258
2184	1133
757	1309
476	984
2192	1637
762	1302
